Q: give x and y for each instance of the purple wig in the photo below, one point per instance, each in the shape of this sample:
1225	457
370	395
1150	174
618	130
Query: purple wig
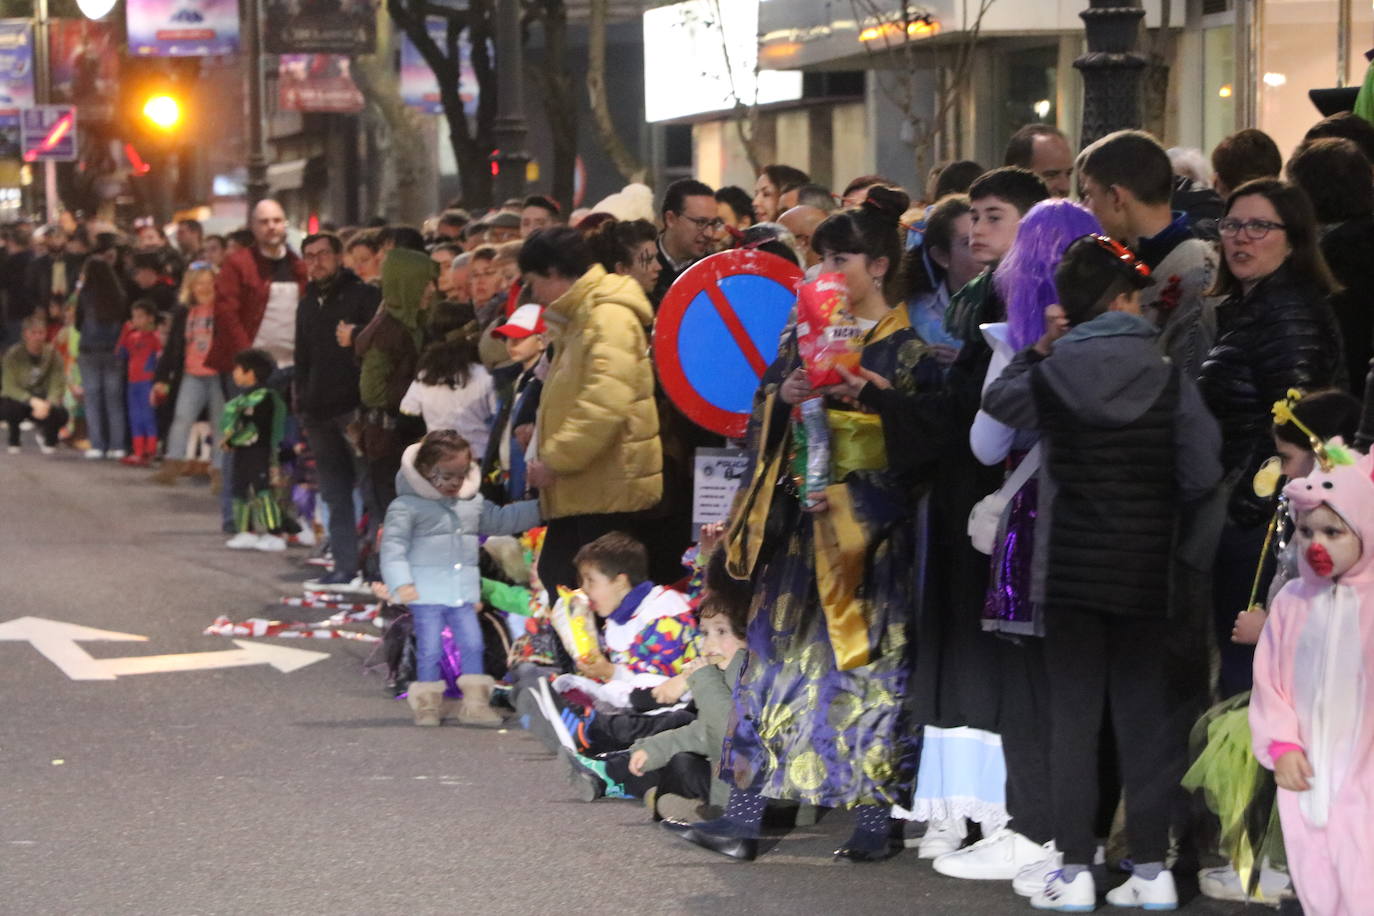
1025	278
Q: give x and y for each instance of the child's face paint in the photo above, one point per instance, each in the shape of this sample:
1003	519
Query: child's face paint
1328	544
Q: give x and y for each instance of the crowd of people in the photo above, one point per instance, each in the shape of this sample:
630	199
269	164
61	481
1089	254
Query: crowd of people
1051	509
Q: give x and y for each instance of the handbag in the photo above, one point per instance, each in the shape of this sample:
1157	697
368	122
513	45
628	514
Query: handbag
986	518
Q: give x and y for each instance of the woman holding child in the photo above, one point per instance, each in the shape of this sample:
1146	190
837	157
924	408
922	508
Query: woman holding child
819	713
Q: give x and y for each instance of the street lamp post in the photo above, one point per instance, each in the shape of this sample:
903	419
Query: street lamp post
1111	67
510	127
257	186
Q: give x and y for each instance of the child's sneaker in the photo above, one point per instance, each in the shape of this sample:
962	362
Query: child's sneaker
13	449
1158	893
941	837
93	454
1032	877
304	538
134	461
1224	884
244	540
1076	896
115	454
46	449
271	543
588	776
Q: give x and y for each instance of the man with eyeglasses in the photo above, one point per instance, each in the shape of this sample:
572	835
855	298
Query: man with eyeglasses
335	304
1126	180
690	225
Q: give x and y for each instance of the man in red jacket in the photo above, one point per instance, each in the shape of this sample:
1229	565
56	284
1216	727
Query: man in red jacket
256	294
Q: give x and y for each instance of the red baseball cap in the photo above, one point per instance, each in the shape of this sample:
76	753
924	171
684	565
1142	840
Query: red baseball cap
526	320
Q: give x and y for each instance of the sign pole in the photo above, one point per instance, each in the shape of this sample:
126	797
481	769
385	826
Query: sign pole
257	187
42	87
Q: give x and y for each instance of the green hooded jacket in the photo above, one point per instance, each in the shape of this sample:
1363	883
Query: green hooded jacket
391	343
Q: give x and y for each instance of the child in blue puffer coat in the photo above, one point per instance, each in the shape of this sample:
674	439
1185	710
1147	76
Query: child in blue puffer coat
429	560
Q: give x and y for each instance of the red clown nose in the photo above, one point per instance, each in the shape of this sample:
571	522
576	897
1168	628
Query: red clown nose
1319	560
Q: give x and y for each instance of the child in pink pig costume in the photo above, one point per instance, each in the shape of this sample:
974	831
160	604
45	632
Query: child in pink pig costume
1312	710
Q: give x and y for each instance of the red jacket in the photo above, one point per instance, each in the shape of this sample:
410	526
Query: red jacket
240	302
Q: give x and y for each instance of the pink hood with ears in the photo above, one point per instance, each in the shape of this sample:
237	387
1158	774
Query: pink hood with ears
1349	490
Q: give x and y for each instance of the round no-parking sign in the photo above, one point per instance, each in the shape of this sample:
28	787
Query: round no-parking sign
717	331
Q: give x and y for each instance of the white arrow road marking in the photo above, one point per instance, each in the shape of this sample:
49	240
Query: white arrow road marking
57	641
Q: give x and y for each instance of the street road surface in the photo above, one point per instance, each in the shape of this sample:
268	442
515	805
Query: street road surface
248	789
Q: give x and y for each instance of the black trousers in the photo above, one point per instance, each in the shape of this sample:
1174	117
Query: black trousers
1233	577
1090	660
340	469
1024	723
686	774
566	536
15	412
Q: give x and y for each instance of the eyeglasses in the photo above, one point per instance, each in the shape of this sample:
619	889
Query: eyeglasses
1122	253
1255	229
704	223
440	478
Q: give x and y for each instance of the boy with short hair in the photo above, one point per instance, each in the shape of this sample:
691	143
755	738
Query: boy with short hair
32	382
524	336
1127	442
999	199
252	429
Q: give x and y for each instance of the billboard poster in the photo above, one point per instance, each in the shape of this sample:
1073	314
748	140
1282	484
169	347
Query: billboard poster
84	57
16	65
320	26
420	88
317	82
183	28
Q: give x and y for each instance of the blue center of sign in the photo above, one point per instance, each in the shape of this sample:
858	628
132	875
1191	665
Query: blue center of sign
721	374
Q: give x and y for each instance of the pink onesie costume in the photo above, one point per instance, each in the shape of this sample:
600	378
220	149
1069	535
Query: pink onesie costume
1314	691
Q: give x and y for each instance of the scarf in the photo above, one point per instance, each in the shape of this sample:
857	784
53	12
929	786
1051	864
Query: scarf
631	602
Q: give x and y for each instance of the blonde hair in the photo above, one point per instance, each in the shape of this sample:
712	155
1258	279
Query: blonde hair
187	297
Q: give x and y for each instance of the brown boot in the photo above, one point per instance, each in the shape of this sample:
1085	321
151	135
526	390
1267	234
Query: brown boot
216	481
426	699
169	472
475	707
195	469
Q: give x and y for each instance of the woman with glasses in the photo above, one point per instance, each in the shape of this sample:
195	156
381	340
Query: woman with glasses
1275	332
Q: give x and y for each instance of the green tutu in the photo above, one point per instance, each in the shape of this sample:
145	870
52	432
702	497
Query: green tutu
1237	789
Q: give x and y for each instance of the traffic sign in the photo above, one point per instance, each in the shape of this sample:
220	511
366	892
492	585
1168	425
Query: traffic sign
48	133
717	331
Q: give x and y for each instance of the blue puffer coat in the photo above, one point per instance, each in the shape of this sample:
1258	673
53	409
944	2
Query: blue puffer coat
431	542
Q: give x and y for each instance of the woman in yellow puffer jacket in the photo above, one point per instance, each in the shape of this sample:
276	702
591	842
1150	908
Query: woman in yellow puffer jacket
597	458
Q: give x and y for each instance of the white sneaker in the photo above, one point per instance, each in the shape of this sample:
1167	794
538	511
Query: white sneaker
306	537
1224	884
999	857
1077	896
1157	894
26	425
942	838
115	454
93	454
45	449
1033	877
271	543
244	540
13	449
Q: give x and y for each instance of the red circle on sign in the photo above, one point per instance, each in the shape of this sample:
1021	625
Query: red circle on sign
704	277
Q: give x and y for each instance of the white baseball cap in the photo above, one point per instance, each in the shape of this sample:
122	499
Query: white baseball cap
526	320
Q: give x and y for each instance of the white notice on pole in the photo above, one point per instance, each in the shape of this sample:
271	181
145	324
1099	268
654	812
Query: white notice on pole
718	474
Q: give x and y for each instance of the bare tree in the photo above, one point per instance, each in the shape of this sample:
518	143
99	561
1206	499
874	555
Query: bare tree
1160	53
903	35
625	161
560	103
472	142
403	138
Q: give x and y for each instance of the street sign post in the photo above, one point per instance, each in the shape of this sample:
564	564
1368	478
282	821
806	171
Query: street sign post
717	331
47	133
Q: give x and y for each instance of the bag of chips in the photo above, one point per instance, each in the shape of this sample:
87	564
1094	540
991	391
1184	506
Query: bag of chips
827	334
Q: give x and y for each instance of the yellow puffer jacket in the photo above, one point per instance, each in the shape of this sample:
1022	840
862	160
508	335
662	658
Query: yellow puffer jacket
598	427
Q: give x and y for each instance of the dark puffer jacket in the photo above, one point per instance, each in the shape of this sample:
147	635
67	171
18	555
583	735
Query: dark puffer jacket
1348	247
1280	335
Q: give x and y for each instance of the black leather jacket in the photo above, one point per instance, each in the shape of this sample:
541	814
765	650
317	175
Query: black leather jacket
1280	335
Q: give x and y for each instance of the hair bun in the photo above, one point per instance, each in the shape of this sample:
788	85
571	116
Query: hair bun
889	204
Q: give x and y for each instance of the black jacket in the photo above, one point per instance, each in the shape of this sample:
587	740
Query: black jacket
1349	251
14	286
1280	335
326	374
39	278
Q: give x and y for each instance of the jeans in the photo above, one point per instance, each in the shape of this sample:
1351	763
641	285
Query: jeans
462	623
102	376
196	393
339	468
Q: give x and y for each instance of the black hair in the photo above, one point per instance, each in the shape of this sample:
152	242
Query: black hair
956	178
938	233
737	199
192	224
870	229
675	198
613	554
730	595
241	237
455	218
102	291
613	242
1089	277
449	360
366	238
1336	176
259	362
1245	155
867	181
1131	159
1328	412
1021	147
401	237
1019	187
335	243
785	177
436	446
557	248
1299	225
769	237
1348	125
449	247
147	260
213	237
543	203
146	306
